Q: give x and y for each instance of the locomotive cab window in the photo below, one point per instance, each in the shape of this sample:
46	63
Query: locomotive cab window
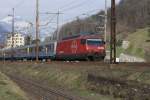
95	42
83	41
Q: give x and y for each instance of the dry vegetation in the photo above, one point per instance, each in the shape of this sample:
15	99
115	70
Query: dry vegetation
73	76
9	90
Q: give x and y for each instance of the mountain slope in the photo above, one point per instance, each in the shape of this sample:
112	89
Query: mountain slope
139	43
131	15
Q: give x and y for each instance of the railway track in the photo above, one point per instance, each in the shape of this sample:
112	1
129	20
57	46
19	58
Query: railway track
41	92
45	93
85	64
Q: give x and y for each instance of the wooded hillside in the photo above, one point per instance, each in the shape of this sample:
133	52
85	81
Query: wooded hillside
131	15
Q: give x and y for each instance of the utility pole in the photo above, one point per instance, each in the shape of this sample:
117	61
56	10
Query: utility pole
37	30
113	33
57	34
105	37
13	30
58	16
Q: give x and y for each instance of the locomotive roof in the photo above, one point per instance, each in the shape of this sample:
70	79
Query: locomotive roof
84	36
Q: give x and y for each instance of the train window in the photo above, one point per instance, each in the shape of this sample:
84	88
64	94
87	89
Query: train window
31	49
95	42
83	41
41	48
52	47
103	42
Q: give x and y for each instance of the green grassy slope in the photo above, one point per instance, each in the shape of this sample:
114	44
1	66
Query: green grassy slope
138	43
9	90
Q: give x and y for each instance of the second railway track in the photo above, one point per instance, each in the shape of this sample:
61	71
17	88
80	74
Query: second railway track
41	92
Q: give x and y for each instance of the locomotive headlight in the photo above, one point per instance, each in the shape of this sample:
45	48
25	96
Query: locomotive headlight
101	48
87	47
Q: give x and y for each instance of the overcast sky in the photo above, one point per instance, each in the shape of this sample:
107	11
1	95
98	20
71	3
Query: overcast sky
69	8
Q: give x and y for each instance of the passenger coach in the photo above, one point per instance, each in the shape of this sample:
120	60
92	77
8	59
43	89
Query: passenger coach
46	51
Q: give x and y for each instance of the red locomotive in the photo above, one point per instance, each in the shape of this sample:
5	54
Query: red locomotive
89	47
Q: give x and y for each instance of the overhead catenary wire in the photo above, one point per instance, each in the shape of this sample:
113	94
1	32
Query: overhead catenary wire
66	5
19	4
47	23
15	6
70	8
87	13
72	2
47	27
74	6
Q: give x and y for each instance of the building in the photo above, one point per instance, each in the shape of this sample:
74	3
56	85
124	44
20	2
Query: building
125	44
18	40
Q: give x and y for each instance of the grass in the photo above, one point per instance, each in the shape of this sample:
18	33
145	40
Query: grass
138	43
9	90
55	75
74	78
119	50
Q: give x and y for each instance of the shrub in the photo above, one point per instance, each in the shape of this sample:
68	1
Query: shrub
119	43
149	32
147	54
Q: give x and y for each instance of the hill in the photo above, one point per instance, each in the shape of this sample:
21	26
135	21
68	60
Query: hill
131	15
139	44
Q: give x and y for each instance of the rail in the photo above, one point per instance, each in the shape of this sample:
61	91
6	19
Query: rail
44	93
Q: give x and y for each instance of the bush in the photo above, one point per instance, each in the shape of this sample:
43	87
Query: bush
149	32
119	43
147	54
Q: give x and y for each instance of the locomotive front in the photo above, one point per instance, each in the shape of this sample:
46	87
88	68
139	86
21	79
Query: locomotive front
95	49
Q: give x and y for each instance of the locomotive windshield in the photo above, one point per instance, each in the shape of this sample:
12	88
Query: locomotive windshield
95	42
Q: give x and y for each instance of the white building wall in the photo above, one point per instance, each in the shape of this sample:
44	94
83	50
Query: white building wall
128	58
18	40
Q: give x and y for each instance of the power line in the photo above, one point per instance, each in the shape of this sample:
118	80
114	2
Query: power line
72	2
48	27
87	13
15	6
58	14
47	23
74	6
19	4
66	5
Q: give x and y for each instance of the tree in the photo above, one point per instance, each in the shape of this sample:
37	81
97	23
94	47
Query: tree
148	19
34	41
28	40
